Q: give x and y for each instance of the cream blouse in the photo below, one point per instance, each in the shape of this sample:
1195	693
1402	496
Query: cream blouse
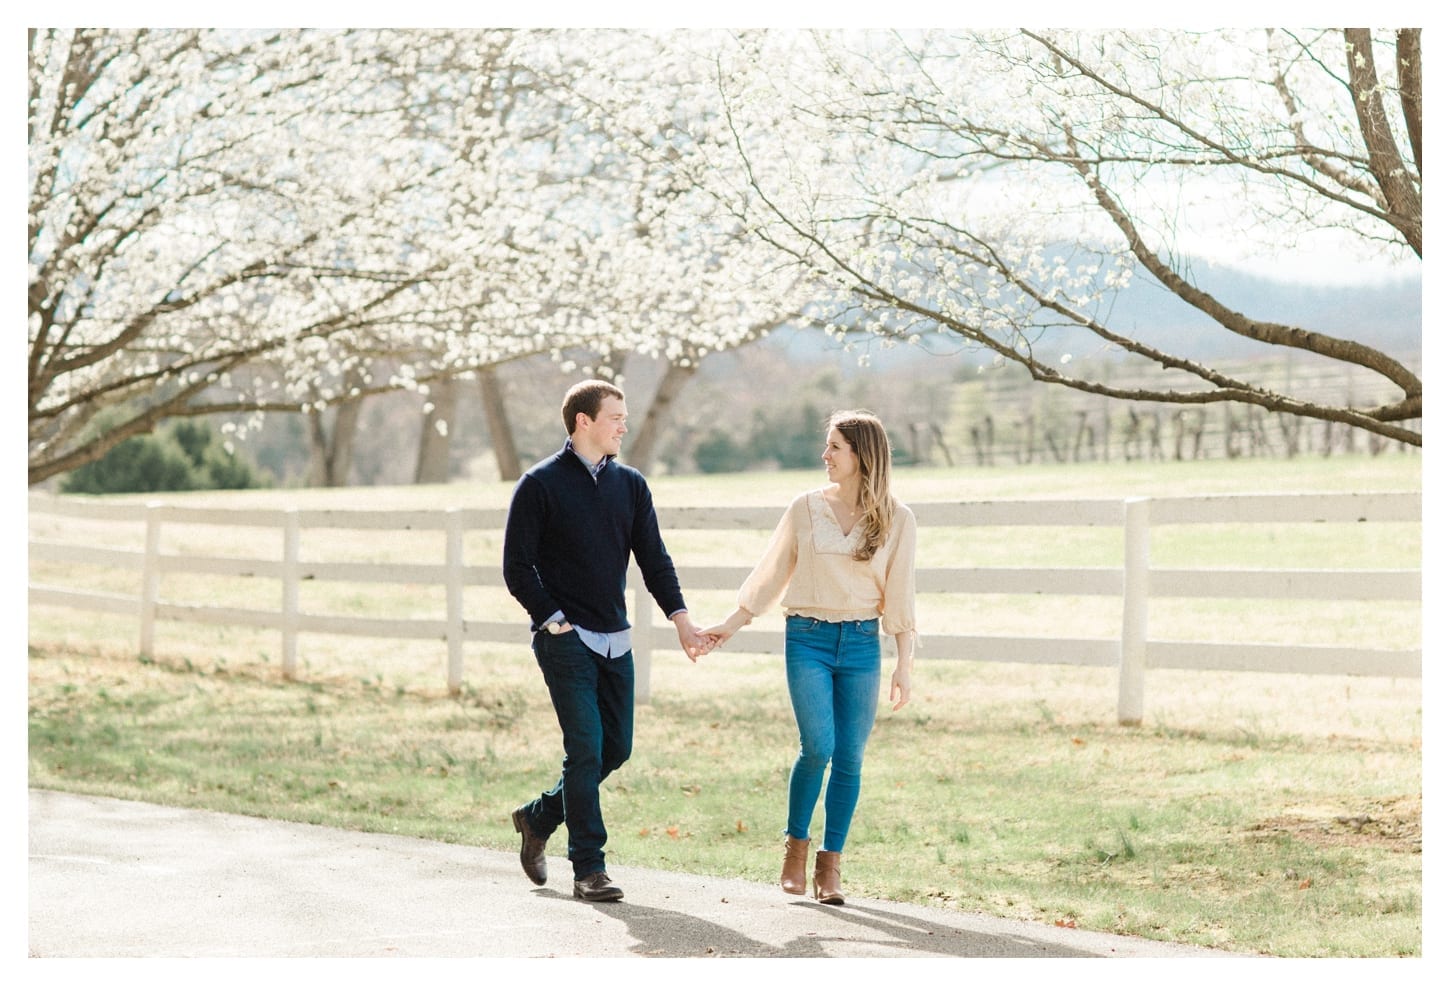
808	568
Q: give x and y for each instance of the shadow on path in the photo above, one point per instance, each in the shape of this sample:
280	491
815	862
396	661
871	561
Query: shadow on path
665	933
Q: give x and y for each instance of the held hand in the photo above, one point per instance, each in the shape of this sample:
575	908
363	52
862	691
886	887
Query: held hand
693	642
719	633
900	688
725	629
704	642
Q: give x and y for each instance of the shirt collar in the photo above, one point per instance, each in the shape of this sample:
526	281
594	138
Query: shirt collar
595	468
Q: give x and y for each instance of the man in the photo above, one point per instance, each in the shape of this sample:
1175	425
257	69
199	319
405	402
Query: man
573	523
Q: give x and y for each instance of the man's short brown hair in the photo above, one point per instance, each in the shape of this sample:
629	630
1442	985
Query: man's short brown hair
585	397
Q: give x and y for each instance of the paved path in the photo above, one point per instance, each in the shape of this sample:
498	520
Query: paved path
113	878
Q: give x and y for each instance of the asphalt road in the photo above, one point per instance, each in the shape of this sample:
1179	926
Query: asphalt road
115	879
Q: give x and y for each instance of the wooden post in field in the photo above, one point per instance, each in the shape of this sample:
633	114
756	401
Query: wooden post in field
291	551
454	590
640	639
1134	641
150	578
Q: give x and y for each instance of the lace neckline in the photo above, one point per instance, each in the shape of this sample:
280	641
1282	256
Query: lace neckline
826	533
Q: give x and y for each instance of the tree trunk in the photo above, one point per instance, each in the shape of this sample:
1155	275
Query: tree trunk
434	443
495	409
331	456
642	450
941	442
1028	448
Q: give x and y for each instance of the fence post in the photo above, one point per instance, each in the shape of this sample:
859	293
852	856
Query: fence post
454	589
291	564
150	577
642	639
1134	643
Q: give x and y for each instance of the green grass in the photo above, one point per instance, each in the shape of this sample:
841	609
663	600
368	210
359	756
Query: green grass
1259	813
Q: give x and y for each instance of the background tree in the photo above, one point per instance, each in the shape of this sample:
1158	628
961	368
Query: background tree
1001	188
248	222
673	275
215	217
181	456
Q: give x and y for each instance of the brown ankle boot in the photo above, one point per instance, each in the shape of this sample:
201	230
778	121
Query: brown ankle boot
793	870
828	878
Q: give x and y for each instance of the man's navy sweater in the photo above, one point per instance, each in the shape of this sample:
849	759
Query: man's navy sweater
568	539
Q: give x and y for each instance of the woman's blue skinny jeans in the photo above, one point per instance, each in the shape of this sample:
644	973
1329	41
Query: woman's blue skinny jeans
833	671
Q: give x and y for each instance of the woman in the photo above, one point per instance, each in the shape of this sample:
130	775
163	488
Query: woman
842	563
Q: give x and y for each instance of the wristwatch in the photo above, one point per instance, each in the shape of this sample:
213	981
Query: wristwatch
555	627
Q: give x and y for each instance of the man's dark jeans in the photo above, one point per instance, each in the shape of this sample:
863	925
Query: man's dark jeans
594	700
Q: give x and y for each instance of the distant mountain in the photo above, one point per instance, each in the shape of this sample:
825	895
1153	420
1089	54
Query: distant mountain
1387	315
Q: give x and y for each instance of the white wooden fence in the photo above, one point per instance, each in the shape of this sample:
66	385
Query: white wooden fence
1136	582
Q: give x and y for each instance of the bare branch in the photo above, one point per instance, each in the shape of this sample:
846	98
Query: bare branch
1385	162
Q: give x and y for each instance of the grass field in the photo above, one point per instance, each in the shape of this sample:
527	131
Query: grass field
1273	814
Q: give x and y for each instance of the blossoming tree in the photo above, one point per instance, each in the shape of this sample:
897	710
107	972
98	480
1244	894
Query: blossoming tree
248	222
1000	188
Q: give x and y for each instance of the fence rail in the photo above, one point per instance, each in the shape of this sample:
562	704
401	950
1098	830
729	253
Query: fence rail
1136	582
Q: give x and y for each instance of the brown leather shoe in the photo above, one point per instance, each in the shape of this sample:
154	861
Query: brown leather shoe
828	878
597	886
793	870
531	851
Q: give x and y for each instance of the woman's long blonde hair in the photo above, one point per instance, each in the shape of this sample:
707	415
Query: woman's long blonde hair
866	435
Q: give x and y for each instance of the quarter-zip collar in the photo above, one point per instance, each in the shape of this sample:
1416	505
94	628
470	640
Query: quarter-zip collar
595	468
